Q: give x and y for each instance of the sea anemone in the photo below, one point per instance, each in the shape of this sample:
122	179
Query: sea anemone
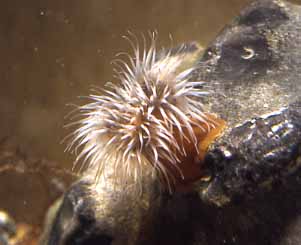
144	123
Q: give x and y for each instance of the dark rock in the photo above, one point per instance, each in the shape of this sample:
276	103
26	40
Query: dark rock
253	69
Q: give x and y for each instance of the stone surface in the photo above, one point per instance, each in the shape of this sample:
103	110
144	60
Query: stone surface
253	196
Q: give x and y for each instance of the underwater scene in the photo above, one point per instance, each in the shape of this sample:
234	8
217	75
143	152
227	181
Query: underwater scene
195	138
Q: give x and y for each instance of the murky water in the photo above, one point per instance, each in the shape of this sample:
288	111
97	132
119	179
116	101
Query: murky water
53	51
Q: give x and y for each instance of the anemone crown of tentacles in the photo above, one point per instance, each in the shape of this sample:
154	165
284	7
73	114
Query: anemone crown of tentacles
143	121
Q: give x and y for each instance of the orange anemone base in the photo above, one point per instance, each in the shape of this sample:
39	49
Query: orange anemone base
189	169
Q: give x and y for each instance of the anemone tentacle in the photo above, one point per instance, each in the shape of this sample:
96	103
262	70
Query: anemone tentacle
143	121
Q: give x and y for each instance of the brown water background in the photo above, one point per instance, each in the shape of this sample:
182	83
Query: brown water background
52	51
